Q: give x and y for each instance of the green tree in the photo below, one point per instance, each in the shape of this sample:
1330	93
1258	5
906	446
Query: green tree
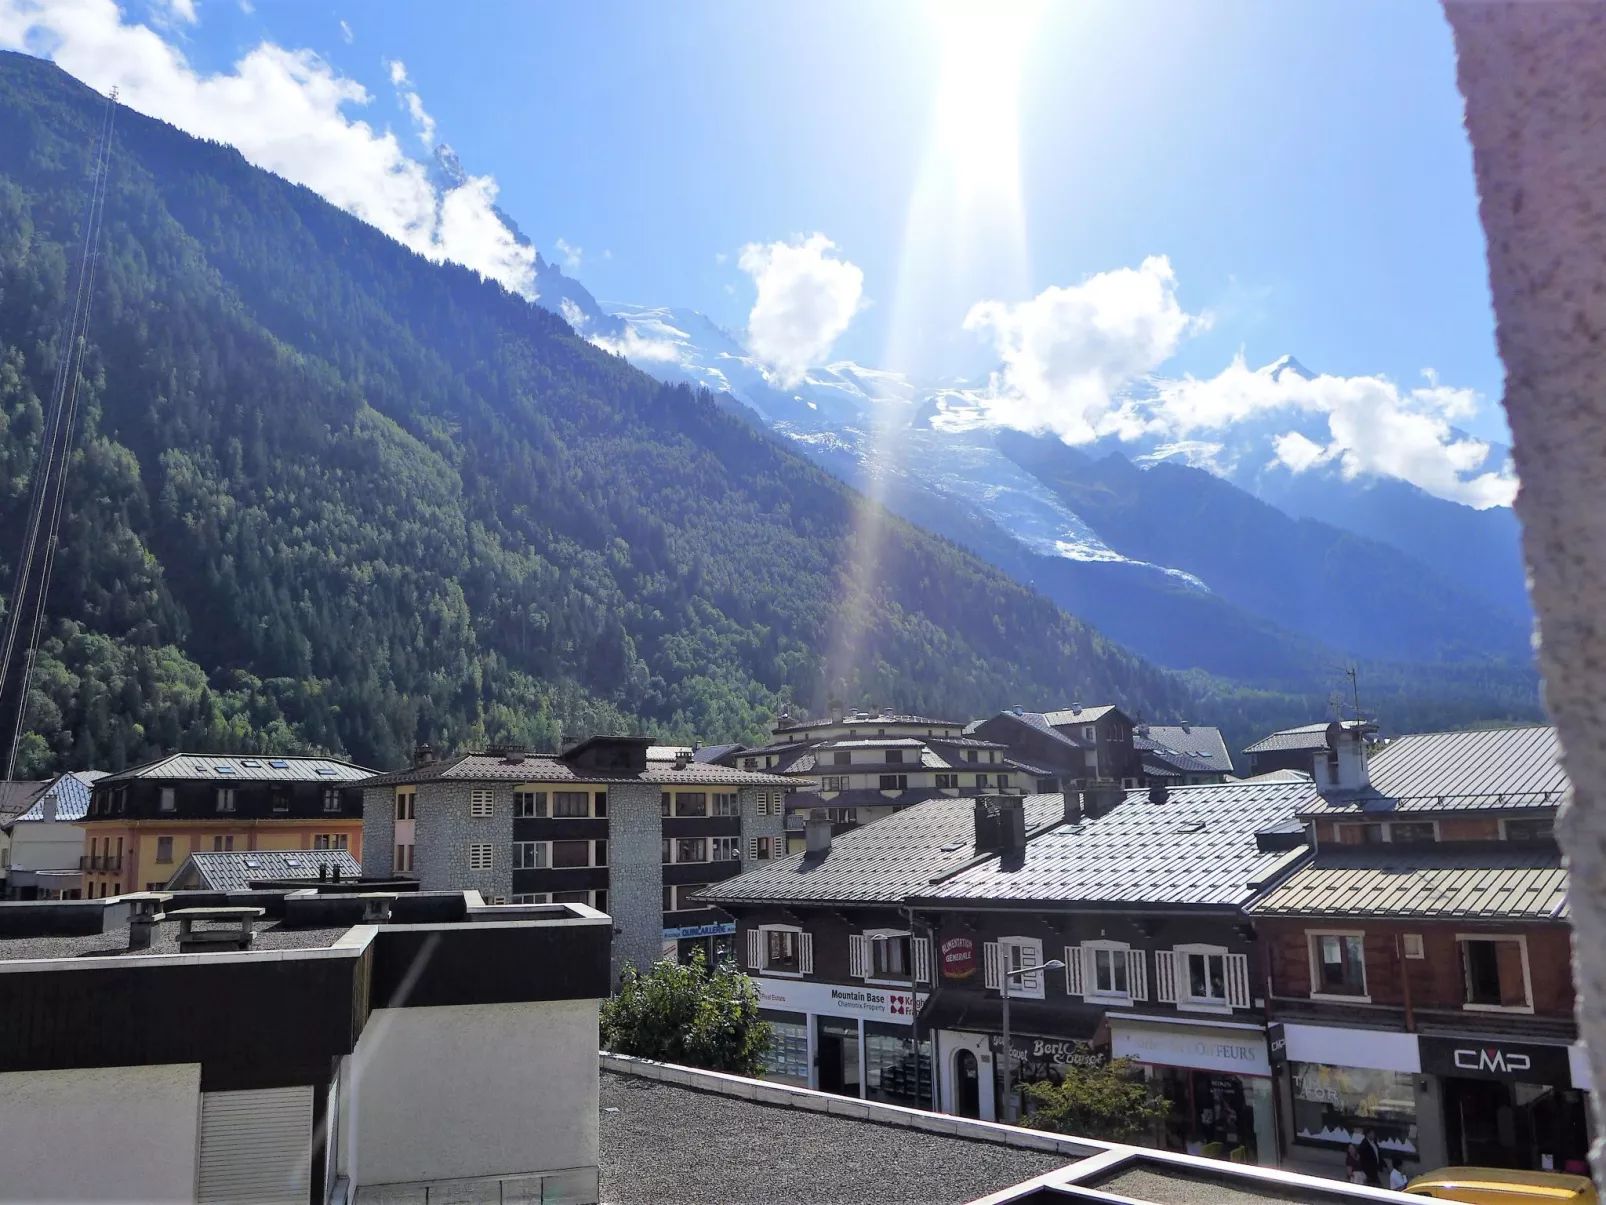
689	1014
1111	1101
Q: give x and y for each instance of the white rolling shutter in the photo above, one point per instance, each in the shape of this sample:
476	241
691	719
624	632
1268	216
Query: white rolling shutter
1075	971
1137	977
858	956
992	966
755	950
805	953
256	1147
1238	980
1165	976
922	948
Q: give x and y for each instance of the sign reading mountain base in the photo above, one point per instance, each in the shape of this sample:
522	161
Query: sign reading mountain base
958	958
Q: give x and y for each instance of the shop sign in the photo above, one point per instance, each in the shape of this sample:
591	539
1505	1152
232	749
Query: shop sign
1276	1044
838	1000
1242	1051
1471	1058
714	930
958	958
1034	1058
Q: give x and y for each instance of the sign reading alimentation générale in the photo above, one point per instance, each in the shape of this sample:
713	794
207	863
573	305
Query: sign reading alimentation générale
1480	1058
838	1000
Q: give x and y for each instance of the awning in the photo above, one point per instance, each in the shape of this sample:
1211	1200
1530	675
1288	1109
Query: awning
978	1013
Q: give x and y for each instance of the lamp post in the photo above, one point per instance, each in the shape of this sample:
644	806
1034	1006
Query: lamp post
1054	964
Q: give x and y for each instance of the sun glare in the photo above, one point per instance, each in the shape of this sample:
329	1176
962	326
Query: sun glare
976	117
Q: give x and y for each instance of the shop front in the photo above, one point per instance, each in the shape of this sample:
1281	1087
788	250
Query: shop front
1217	1080
1509	1104
716	941
1038	1059
1344	1084
851	1040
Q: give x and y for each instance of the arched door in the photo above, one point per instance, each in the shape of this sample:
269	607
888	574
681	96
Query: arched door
967	1093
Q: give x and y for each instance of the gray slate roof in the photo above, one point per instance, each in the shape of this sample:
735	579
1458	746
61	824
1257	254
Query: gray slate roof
238	869
879	863
1194	750
1504	769
483	767
1197	849
72	796
245	767
1500	884
17	796
1306	736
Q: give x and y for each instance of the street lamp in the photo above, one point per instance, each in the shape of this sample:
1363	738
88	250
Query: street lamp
1054	964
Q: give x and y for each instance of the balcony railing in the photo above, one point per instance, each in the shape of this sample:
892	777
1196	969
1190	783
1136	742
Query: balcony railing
109	862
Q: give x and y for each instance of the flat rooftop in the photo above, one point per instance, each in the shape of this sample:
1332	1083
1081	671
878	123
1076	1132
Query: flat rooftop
655	1150
268	935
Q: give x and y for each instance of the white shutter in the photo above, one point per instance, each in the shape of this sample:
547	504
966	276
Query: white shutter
922	949
858	956
1075	971
1137	978
1030	985
805	953
256	1146
755	950
752	849
992	965
1165	976
1238	980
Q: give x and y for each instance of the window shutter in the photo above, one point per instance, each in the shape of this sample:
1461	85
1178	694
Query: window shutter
922	949
1165	976
1238	980
1030	984
992	968
1075	971
858	956
752	849
805	953
755	950
1137	978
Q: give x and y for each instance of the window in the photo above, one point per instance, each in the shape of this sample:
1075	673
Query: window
727	803
529	855
601	809
1541	829
529	805
970	755
691	803
782	950
404	859
1413	832
1207	977
1109	971
573	804
573	897
760	849
279	801
834	783
1003	781
691	849
1359	834
222	844
479	856
568	854
683	899
406	803
530	897
669	898
331	799
169	800
842	815
981	780
1337	964
894	757
749	763
1089	732
841	758
1495	972
1202	977
225	799
321	841
164	849
601	853
1411	945
727	849
894	782
479	801
1332	1104
947	782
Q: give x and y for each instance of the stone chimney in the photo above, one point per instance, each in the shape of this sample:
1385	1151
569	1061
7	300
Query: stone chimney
1342	767
1073	806
47	808
817	833
424	755
1158	793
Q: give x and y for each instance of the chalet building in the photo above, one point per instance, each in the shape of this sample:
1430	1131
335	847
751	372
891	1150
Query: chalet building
43	852
1078	745
143	822
604	823
869	764
1419	967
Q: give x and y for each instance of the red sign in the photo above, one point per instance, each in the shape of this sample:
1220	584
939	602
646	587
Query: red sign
958	958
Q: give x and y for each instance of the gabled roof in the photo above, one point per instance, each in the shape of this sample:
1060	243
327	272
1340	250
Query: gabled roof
1491	769
71	792
1195	749
236	870
1196	849
1078	715
1039	722
713	753
484	767
1306	736
1501	883
244	767
17	796
864	717
879	863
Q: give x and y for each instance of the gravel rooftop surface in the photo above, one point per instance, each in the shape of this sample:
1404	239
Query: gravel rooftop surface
671	1144
270	936
1141	1184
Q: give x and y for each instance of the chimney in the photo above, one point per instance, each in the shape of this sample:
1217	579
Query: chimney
817	832
323	871
1073	806
1186	727
836	712
1342	767
1000	825
1158	793
47	808
424	755
145	913
1076	709
334	871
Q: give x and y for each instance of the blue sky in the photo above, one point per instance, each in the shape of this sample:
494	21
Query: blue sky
1301	167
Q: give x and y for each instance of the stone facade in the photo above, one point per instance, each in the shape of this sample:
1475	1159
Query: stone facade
635	874
444	828
378	831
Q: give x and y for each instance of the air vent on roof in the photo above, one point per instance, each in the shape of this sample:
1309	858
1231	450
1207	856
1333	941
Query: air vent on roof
279	765
1191	826
952	846
252	762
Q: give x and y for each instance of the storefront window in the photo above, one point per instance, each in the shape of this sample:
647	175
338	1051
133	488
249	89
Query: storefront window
1334	1106
893	1071
838	1045
787	1059
1216	1114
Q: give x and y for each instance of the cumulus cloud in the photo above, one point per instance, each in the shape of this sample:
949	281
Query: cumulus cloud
806	299
286	111
1068	353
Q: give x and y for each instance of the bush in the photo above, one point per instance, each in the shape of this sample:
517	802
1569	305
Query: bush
688	1014
1112	1101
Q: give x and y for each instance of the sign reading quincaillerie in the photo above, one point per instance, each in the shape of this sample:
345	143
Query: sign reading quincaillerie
714	930
838	1000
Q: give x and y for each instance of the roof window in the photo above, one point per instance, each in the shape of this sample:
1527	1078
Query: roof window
224	769
279	765
326	770
252	762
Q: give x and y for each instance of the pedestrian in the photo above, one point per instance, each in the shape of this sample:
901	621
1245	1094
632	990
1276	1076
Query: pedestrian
1397	1178
1370	1156
1352	1165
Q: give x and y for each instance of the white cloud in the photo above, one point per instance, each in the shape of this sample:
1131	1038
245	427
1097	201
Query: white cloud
635	346
184	10
571	255
345	32
286	111
412	102
1299	452
720	257
806	299
1069	353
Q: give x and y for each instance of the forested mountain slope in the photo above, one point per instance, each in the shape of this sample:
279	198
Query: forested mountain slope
328	493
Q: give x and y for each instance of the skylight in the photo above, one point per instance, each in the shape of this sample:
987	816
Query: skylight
224	769
327	770
279	765
252	762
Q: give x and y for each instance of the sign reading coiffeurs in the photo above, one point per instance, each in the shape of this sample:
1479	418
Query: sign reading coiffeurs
958	958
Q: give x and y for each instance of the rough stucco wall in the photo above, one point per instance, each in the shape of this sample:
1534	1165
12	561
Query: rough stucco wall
1534	79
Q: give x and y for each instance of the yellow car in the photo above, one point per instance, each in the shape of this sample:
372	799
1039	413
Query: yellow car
1500	1186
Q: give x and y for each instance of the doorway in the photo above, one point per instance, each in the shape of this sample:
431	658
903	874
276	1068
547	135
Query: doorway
837	1052
967	1080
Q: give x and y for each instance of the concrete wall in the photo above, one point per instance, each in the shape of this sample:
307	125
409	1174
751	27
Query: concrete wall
36	845
470	1091
101	1134
635	876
